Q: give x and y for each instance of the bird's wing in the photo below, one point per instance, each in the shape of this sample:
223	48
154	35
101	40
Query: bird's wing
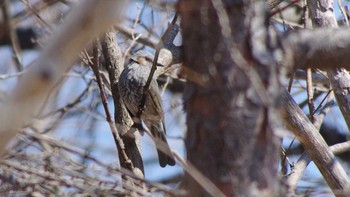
155	100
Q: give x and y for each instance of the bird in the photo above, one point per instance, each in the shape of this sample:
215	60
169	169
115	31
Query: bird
131	85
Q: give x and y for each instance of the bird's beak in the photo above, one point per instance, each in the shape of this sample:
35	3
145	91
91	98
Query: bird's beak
151	61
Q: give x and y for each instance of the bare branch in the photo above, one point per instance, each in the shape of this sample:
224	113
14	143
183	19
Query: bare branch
322	15
304	160
114	64
128	32
58	56
274	3
12	34
314	144
169	54
323	48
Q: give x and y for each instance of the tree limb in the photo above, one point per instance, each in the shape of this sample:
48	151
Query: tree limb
167	53
114	64
316	147
322	48
322	15
60	53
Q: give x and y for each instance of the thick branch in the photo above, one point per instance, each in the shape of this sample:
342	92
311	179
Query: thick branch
120	145
322	48
322	15
304	160
114	64
314	144
57	57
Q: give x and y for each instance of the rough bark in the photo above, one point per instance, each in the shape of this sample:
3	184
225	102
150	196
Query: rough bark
322	15
315	146
231	123
168	54
321	48
115	64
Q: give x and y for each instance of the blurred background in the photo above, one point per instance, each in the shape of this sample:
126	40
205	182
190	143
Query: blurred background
78	142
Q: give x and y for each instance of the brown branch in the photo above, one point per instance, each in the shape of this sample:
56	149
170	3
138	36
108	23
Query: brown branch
120	145
128	32
316	77
315	146
279	10
340	147
274	3
114	64
322	15
24	14
165	42
112	169
57	57
69	105
304	160
321	48
12	34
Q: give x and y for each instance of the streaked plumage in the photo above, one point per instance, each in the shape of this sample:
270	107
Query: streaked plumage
131	84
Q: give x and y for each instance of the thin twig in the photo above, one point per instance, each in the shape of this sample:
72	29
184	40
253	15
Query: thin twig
7	76
291	83
278	10
133	37
128	32
310	94
70	105
77	151
12	34
342	10
154	65
120	144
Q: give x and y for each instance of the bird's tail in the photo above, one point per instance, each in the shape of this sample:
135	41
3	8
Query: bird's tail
165	155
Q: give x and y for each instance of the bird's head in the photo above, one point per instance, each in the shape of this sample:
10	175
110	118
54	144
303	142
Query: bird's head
144	58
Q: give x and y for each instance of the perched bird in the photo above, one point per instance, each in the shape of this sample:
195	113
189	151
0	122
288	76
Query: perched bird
131	86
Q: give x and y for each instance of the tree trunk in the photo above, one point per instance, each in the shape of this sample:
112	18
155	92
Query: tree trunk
231	121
